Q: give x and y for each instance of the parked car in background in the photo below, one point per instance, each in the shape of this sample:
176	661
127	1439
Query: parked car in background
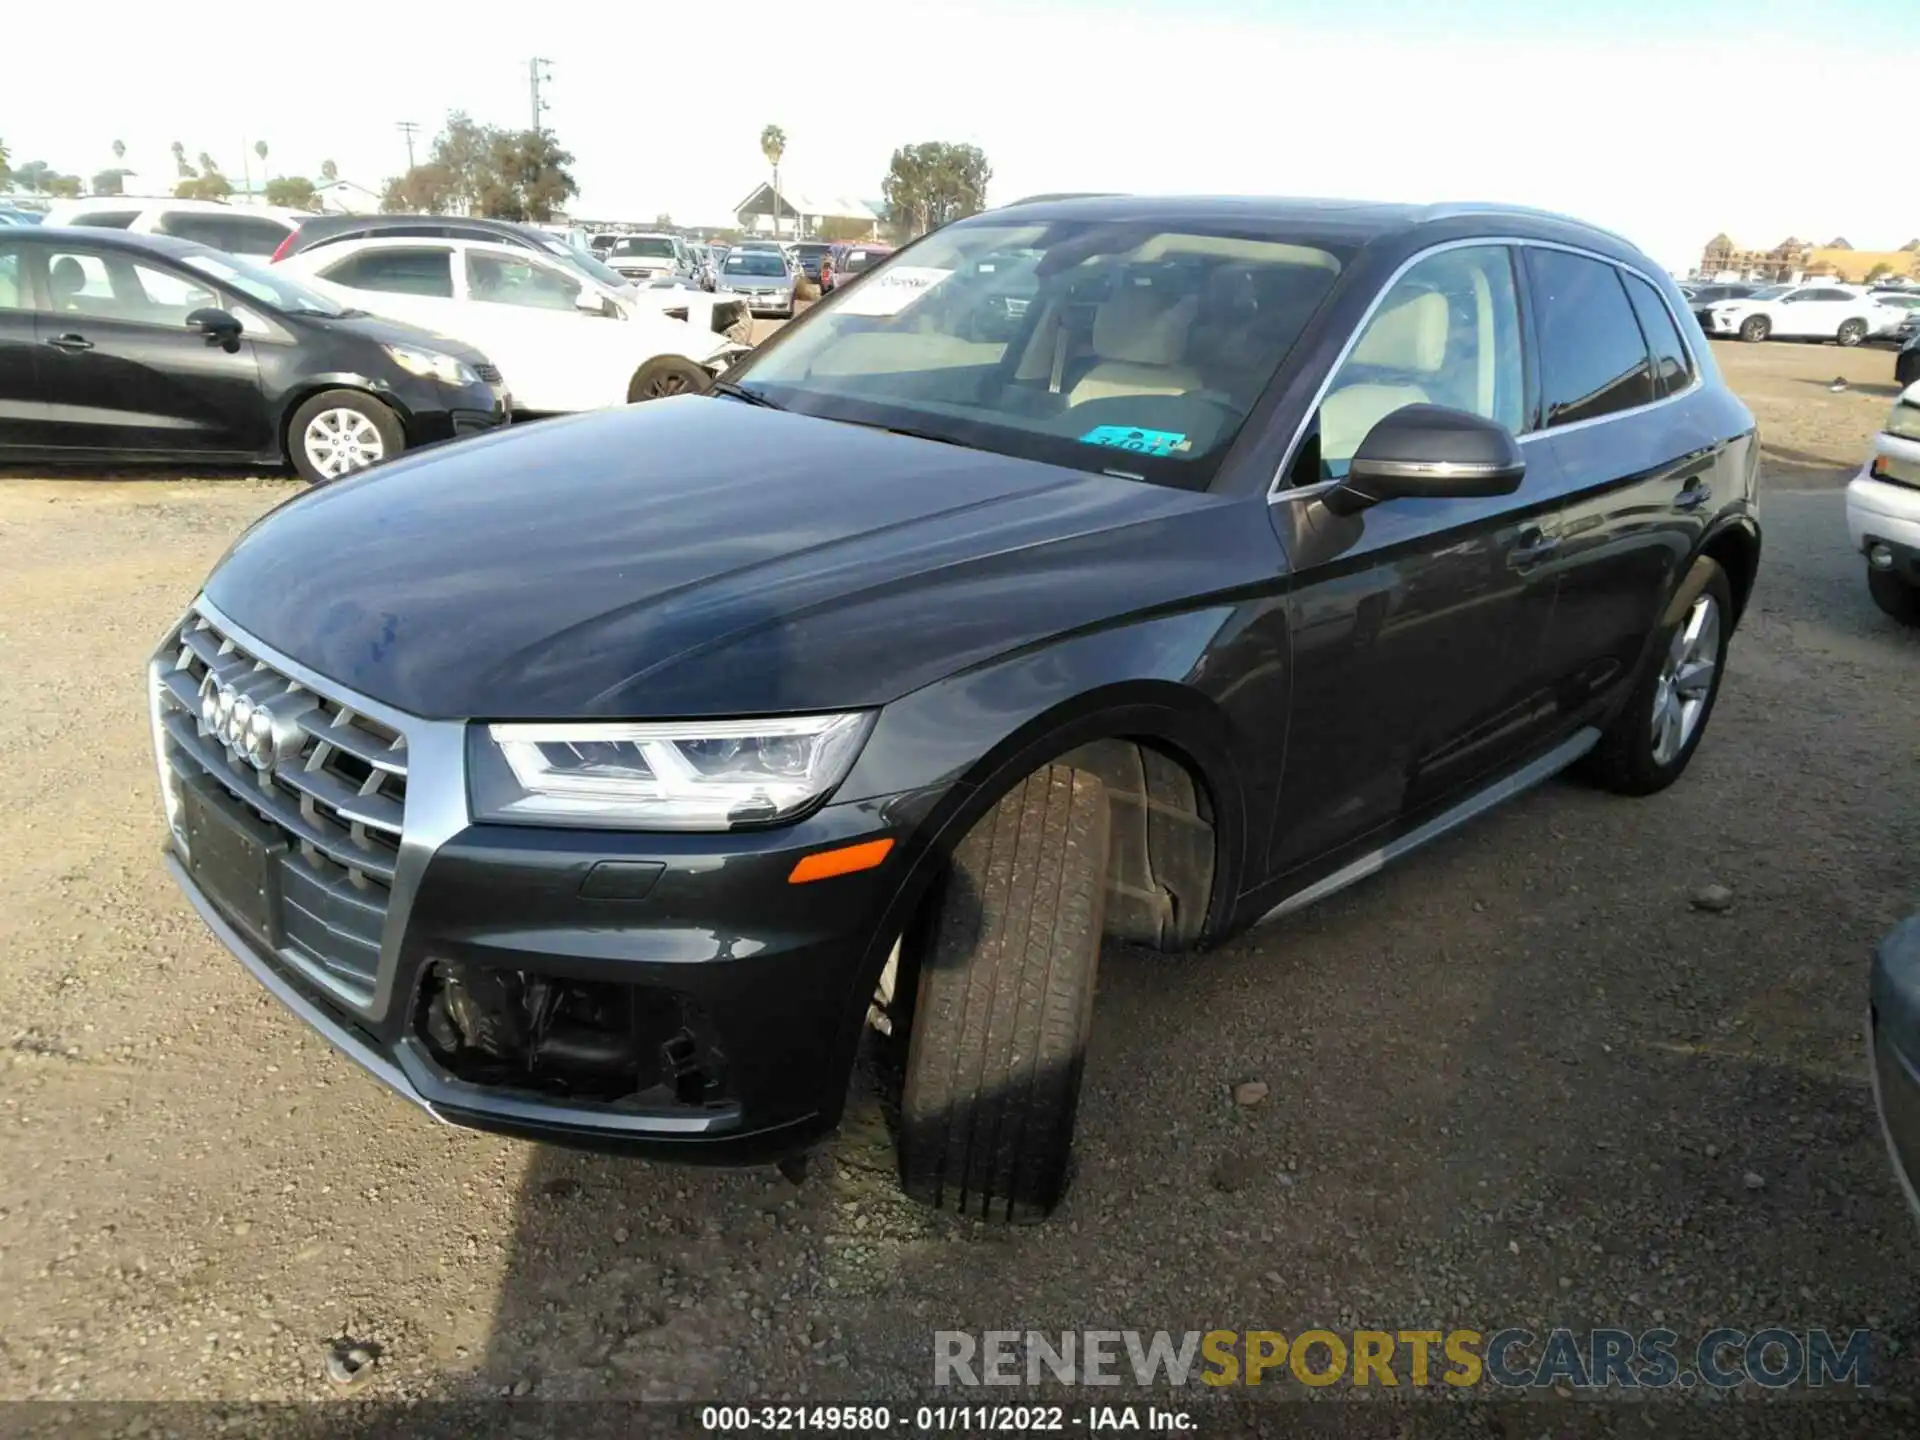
763	277
809	255
12	215
1900	309
881	684
602	243
1893	1045
255	231
1883	511
124	346
1820	310
563	343
854	261
651	256
1906	366
1706	292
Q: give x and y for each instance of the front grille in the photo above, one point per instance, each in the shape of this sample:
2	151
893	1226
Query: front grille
488	373
334	790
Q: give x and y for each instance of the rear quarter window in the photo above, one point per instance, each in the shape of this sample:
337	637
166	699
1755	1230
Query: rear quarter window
1593	358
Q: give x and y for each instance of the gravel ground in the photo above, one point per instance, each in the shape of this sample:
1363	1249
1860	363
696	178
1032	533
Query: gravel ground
1519	1080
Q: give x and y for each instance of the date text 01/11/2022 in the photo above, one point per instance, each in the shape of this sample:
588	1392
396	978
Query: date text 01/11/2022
946	1419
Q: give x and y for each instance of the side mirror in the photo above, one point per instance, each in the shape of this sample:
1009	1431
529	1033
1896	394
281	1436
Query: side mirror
589	303
1429	452
221	327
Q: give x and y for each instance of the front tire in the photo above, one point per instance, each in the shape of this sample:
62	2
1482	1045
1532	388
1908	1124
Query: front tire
664	376
1004	1004
1896	595
340	431
1755	328
1647	745
1851	333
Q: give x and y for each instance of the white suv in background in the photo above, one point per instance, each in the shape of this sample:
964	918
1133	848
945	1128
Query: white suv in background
1818	310
1883	511
251	230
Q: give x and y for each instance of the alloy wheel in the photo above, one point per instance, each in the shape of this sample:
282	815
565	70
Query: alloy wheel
663	385
339	441
1686	680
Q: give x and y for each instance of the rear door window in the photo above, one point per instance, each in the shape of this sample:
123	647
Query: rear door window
1673	366
1593	358
415	270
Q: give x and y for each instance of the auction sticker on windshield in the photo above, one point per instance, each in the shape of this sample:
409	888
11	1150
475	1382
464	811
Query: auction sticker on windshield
1141	442
888	292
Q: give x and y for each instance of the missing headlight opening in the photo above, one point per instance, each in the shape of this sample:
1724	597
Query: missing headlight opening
572	1039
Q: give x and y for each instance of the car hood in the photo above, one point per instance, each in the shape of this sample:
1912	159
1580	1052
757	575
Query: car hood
701	556
396	332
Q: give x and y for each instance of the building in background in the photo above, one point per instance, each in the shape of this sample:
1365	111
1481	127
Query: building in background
1795	259
343	197
806	217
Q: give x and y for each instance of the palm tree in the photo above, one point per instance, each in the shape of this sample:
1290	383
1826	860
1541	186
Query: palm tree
773	144
207	167
260	149
119	150
6	170
329	171
180	161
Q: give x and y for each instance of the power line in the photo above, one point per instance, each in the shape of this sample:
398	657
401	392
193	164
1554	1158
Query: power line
406	128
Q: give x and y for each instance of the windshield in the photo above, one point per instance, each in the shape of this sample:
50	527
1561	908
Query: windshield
581	261
1106	345
268	287
860	260
652	248
754	262
1769	292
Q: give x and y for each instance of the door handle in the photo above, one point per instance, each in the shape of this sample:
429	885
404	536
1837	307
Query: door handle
1535	545
1697	493
72	344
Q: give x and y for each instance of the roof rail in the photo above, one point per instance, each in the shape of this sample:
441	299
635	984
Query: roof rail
1450	210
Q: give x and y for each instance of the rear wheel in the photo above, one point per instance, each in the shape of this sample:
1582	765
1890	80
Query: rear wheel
1003	1004
340	431
1648	744
1895	594
1755	327
1851	332
666	375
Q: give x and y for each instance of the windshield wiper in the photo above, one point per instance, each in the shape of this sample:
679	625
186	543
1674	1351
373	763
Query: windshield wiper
740	392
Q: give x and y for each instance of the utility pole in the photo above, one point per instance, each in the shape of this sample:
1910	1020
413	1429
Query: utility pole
406	128
536	72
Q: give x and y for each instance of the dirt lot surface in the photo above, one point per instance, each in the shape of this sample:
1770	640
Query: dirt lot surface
1519	1080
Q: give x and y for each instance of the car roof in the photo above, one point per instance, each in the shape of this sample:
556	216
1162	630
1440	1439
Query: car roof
1353	222
140	204
323	227
100	237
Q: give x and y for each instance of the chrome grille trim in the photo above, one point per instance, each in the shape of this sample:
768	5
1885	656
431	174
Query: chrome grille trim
369	796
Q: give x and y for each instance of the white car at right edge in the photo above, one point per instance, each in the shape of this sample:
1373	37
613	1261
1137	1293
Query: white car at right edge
563	343
1883	511
1818	310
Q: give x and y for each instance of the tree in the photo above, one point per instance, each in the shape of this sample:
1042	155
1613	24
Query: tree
293	191
66	187
930	184
329	172
482	170
120	150
111	181
211	186
260	149
207	164
1880	271
180	165
33	175
424	190
773	145
6	169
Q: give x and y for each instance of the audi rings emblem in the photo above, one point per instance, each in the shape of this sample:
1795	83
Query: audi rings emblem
247	726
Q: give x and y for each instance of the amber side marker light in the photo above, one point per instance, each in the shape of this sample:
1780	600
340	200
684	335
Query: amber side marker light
844	861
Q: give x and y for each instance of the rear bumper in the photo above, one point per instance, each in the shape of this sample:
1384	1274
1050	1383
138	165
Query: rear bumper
1893	1046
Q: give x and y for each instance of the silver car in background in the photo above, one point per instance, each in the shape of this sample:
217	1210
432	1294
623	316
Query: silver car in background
764	278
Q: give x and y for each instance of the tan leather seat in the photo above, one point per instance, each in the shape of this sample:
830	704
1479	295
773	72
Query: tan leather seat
1139	341
1409	338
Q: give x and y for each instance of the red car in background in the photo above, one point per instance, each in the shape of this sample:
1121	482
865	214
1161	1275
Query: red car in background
849	261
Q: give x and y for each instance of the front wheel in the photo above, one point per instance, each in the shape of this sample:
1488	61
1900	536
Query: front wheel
1003	1003
1648	744
340	431
1895	594
1755	327
1851	333
664	376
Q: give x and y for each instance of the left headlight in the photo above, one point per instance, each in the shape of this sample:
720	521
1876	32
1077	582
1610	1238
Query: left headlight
444	368
672	775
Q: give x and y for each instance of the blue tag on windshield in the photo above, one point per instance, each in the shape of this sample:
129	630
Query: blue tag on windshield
1141	442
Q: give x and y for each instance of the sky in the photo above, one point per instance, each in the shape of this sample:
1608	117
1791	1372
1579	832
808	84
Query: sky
1667	120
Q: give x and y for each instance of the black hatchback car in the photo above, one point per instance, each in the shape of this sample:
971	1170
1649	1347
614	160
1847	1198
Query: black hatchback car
1267	542
142	347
